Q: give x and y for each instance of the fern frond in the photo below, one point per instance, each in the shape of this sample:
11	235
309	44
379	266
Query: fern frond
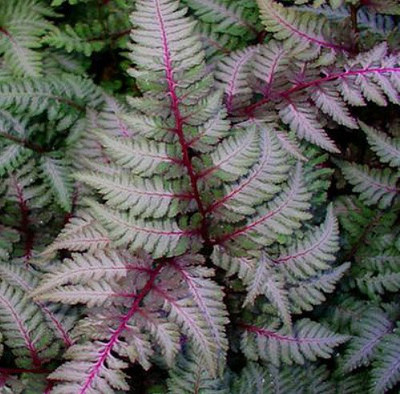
370	330
26	333
143	156
83	269
281	216
160	238
314	252
303	120
388	149
233	157
56	172
298	29
307	341
39	95
81	233
225	17
380	283
386	367
305	294
152	295
144	197
190	375
233	72
259	185
23	23
270	66
375	186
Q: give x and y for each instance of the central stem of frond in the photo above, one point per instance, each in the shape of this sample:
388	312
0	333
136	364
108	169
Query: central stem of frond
179	122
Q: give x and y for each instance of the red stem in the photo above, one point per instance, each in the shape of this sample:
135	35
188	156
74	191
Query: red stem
179	122
120	329
25	222
11	371
249	110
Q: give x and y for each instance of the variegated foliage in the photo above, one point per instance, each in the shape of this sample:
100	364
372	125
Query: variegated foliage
175	179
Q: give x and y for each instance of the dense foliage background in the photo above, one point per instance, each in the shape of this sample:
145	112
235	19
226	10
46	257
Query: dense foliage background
292	308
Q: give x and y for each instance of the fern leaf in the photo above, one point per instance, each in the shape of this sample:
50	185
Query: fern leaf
233	157
280	216
233	73
22	26
56	173
260	184
23	326
38	95
145	197
378	284
142	156
253	375
297	28
225	17
375	186
209	135
328	100
305	294
265	280
208	298
313	253
84	269
388	149
201	314
159	238
190	375
386	368
94	366
303	119
271	64
81	233
372	327
308	341
24	279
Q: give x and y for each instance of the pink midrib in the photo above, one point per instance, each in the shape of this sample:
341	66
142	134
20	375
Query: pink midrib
243	185
232	82
24	332
285	94
258	221
120	329
200	302
279	337
179	120
63	333
303	35
306	251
